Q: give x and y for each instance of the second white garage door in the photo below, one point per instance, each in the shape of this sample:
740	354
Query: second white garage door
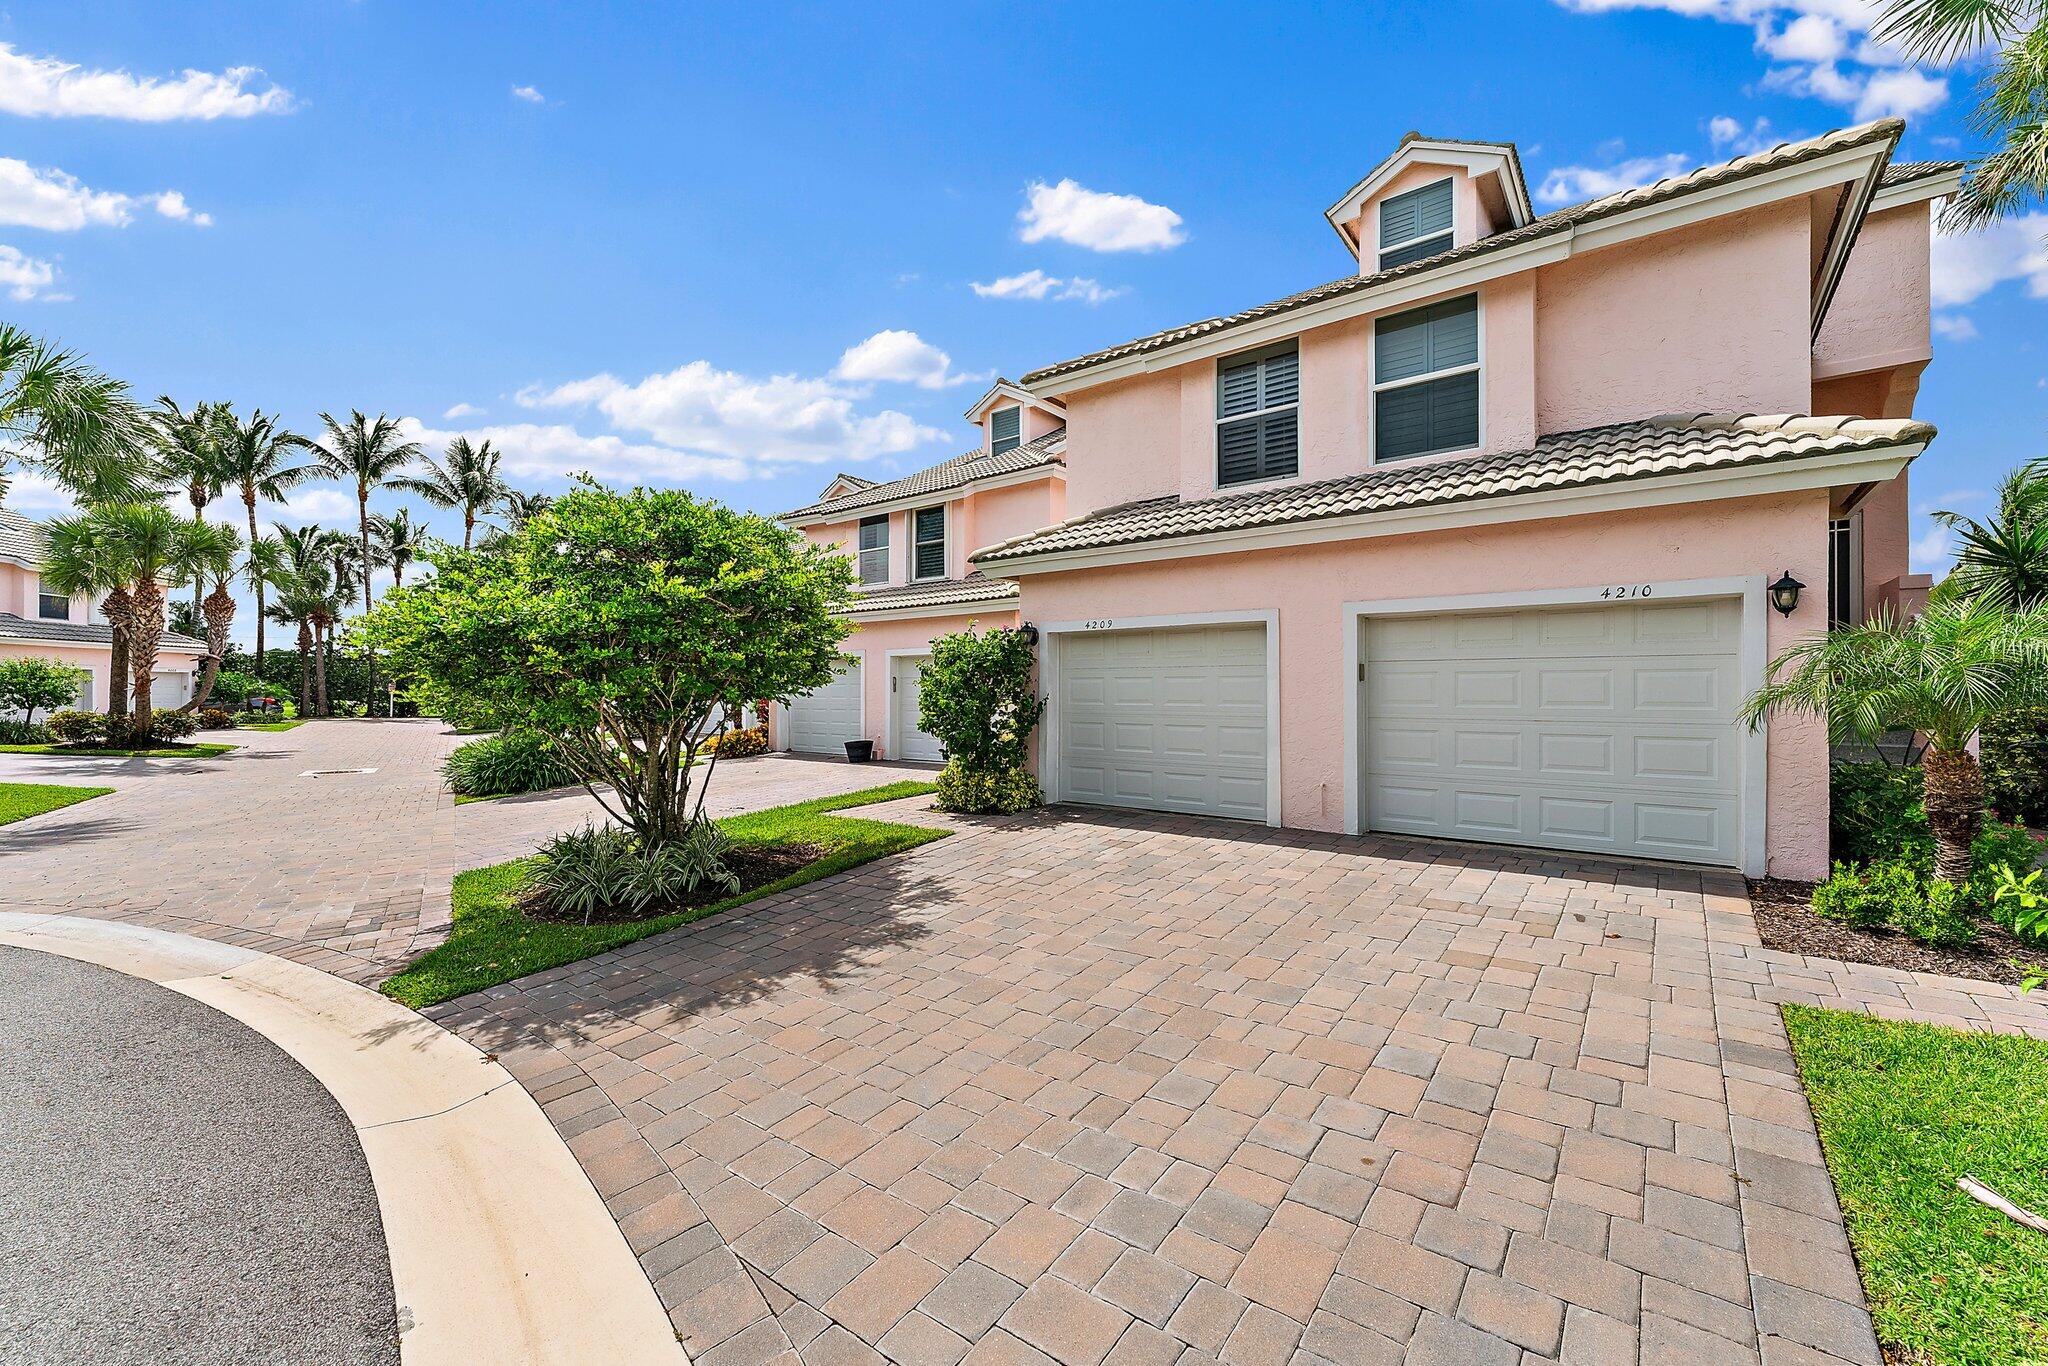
1168	720
823	721
1607	729
905	687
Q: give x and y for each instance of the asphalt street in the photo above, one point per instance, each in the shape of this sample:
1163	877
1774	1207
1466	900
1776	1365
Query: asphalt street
173	1187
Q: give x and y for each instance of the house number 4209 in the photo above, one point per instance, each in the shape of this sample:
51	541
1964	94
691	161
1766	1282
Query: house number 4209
1626	590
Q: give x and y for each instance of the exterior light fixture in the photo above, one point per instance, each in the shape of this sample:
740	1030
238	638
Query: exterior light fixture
1785	593
1030	634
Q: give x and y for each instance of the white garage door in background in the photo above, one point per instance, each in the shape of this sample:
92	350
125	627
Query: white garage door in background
1166	720
1605	729
822	722
169	691
910	742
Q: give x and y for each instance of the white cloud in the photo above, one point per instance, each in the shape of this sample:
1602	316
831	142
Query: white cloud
1932	551
45	87
700	411
1813	38
461	410
325	505
28	491
59	202
27	277
1968	265
895	356
1729	135
1900	94
1037	285
1070	212
556	451
1570	184
528	94
1955	327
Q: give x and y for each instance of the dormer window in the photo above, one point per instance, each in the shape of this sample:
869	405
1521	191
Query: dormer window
53	606
1415	225
1258	396
1005	430
928	544
874	551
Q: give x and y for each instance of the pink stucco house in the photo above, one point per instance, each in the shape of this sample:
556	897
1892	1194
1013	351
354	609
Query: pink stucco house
1473	542
70	629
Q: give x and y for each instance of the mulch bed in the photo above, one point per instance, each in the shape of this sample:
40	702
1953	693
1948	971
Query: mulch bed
756	865
1785	921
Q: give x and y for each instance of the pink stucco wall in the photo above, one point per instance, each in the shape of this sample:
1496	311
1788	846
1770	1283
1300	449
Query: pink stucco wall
872	643
1879	317
1710	318
1308	586
95	660
979	518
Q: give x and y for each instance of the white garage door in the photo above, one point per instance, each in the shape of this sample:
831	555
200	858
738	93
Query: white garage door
168	691
823	721
1606	729
911	743
1171	720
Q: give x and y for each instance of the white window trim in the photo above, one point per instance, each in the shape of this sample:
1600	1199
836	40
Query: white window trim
1016	408
945	535
1051	635
1380	252
1753	659
1372	367
1855	521
1216	434
860	553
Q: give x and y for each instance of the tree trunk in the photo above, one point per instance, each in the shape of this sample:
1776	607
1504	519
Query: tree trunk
219	610
249	500
305	668
119	610
323	636
197	496
468	525
1954	790
148	634
369	652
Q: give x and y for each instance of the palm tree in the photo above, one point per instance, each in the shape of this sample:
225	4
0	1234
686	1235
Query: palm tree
208	554
66	419
82	558
399	541
258	460
521	508
1961	662
466	477
370	452
151	539
2006	558
298	602
189	456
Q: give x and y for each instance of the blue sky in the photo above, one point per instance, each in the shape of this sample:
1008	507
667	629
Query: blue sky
738	247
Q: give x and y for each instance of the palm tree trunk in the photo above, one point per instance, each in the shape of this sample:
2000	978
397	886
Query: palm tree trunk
219	612
468	525
324	635
249	500
305	669
369	653
148	634
1954	790
198	501
118	609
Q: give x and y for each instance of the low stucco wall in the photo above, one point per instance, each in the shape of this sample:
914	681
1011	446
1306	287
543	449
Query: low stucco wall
1308	587
872	643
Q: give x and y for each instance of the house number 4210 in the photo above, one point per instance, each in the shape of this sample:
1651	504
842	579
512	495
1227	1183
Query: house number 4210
1626	590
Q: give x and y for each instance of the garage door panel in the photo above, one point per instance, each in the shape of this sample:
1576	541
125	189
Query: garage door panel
1184	712
823	721
1609	730
906	694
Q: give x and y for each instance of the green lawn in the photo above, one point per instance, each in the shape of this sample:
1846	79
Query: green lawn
292	724
178	750
493	942
462	800
19	801
1903	1110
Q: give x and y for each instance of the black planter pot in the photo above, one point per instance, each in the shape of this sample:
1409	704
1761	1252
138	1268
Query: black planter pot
860	751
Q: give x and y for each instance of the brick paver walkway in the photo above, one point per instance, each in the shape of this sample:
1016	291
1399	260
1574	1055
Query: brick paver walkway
1091	1087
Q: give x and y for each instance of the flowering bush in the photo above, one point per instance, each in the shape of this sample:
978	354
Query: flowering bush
977	699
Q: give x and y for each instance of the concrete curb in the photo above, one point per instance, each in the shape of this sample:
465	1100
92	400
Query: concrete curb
501	1250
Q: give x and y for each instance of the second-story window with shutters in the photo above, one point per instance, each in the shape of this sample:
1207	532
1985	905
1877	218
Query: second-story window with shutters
928	544
1416	225
1005	430
1426	380
874	551
1258	398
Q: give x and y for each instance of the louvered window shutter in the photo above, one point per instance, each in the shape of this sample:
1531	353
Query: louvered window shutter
1415	225
930	544
874	550
1005	430
1434	414
1257	402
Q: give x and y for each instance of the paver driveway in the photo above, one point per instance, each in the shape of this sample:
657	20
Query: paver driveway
1086	1087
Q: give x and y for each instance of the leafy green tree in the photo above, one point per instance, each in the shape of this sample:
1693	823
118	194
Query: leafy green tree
31	685
60	416
977	698
626	626
261	461
2013	110
466	477
1944	674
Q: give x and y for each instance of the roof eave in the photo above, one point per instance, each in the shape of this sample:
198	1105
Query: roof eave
804	517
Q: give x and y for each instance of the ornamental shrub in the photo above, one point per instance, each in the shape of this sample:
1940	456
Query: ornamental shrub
1004	791
500	765
33	684
1938	915
976	699
1998	845
78	727
216	718
2014	749
1875	813
602	871
13	732
168	724
1862	898
739	744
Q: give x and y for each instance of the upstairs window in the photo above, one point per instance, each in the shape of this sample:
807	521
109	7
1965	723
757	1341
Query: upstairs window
874	550
1258	396
1844	579
53	606
928	544
1426	380
1415	225
1005	430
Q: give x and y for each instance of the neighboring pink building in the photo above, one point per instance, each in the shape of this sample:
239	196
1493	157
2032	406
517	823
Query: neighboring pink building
1471	543
71	630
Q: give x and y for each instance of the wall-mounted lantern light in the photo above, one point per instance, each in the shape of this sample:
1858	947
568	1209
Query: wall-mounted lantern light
1785	593
1030	634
